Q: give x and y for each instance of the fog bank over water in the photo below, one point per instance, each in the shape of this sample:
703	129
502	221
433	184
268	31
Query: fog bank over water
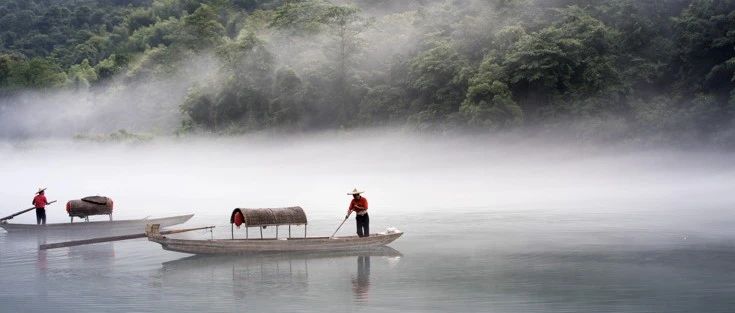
404	174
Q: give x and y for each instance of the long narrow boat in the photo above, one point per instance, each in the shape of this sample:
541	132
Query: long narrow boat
270	217
136	225
235	246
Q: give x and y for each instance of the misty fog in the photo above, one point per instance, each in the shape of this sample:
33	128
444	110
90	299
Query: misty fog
139	104
537	155
665	193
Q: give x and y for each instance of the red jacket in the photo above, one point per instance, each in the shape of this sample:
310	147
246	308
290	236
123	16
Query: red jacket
358	202
39	201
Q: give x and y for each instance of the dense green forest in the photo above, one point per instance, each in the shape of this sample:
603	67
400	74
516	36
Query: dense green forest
619	68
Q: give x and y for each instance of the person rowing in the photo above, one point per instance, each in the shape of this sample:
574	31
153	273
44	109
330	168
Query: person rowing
40	202
359	205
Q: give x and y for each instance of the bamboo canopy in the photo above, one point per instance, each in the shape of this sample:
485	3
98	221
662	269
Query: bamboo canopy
271	216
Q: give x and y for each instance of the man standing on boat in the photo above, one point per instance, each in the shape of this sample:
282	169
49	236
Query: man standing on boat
40	202
359	205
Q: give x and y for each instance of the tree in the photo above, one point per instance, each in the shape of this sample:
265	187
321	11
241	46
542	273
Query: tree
706	47
37	73
439	79
139	18
489	101
342	26
6	64
110	66
573	58
202	30
199	109
82	75
287	106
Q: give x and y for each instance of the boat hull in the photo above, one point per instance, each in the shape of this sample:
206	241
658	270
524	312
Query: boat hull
107	226
240	246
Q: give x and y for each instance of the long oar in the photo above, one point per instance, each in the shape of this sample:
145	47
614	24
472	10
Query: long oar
19	213
340	225
115	238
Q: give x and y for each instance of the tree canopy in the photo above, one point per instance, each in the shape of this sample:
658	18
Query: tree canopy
663	68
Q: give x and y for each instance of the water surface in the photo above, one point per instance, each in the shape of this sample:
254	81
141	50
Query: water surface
490	226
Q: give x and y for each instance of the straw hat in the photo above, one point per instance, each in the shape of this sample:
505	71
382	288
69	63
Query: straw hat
40	190
355	192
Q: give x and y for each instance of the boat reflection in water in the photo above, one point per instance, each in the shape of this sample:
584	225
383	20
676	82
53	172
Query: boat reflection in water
100	255
89	256
273	275
361	283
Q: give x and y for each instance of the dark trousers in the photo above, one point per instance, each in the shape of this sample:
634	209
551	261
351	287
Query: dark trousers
363	225
40	216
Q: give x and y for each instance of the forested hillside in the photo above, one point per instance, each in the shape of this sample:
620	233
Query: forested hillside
660	69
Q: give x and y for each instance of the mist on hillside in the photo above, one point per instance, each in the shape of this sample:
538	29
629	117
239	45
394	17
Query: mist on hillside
149	105
612	70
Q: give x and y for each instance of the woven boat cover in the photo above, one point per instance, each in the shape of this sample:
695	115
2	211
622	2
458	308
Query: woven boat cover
96	200
82	208
274	216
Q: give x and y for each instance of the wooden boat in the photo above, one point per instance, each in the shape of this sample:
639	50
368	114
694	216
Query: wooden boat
298	272
235	246
270	217
107	226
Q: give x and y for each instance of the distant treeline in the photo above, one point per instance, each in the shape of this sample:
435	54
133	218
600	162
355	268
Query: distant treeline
620	68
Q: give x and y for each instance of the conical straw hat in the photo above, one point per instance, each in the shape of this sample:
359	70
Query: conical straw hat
355	192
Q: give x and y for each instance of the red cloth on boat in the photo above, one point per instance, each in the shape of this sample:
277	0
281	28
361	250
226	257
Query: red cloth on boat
362	202
239	219
39	201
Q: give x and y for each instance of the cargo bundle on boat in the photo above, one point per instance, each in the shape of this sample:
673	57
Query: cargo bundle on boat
263	218
88	206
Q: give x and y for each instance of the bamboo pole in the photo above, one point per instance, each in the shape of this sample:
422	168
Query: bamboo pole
340	225
114	238
21	212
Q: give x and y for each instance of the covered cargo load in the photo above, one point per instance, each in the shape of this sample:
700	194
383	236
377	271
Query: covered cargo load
263	218
269	217
88	206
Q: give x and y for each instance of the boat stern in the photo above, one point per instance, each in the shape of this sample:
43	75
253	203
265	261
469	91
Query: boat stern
153	232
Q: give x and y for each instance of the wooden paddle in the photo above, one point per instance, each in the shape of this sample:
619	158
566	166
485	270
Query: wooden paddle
340	225
21	212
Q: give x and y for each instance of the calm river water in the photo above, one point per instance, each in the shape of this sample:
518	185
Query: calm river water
515	229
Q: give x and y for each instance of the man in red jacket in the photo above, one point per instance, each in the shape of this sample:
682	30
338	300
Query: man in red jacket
40	202
359	205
